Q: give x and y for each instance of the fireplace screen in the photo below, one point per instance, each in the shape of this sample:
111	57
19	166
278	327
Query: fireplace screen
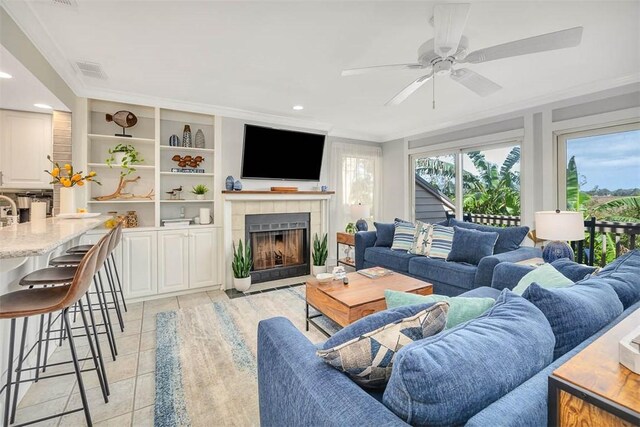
281	248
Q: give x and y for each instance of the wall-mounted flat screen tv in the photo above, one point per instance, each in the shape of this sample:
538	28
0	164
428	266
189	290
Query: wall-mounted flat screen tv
280	154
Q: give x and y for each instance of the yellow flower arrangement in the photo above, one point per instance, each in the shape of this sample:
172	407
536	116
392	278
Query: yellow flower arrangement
66	177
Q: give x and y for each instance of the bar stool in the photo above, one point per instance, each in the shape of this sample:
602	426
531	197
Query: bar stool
40	301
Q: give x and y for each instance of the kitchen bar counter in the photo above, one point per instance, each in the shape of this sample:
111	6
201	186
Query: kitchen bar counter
40	237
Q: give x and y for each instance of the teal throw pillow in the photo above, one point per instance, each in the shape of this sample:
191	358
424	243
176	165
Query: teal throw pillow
403	236
461	309
546	276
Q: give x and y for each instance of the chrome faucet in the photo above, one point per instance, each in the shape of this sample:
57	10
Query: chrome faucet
12	219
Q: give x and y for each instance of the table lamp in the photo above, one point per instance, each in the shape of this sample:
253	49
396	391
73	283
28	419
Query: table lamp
361	211
558	227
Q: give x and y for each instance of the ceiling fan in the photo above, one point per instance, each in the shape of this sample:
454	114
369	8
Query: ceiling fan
448	48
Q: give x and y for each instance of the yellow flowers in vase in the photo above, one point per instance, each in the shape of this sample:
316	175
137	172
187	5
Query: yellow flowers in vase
66	177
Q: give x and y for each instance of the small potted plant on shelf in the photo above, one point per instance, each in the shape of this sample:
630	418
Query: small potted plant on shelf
125	156
200	190
351	228
241	266
319	255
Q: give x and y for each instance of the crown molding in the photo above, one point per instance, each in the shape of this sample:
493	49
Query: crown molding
352	134
530	104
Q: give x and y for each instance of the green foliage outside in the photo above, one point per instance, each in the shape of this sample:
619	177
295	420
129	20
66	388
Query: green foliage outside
494	190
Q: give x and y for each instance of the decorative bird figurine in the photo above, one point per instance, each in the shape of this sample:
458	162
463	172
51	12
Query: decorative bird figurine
175	193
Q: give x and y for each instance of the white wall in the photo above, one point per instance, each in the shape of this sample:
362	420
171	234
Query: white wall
537	129
232	146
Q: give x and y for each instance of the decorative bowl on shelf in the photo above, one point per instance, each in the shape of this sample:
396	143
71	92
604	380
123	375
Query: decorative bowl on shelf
324	278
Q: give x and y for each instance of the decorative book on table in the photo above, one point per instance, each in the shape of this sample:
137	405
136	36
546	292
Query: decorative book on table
375	272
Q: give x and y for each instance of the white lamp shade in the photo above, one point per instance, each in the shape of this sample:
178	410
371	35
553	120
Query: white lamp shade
360	211
563	225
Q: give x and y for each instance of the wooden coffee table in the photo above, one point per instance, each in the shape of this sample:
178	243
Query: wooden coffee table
344	304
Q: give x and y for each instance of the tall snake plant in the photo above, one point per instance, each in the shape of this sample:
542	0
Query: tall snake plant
319	250
242	261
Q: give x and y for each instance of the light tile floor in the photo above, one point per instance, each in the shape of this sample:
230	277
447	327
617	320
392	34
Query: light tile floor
131	376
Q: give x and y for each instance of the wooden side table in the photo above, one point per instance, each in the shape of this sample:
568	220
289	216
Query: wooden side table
346	239
593	388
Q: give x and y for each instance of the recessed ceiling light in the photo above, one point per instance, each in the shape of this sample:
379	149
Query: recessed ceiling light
4	75
45	106
298	107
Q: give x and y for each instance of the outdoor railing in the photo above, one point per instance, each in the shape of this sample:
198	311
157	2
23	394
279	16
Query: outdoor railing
601	235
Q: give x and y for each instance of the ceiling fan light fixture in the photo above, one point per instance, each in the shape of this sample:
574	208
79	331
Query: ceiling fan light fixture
298	107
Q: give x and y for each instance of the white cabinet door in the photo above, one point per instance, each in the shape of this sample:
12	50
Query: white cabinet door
173	255
203	258
140	263
25	142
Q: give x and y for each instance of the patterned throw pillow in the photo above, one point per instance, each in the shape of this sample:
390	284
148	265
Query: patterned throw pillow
441	242
368	359
422	239
403	236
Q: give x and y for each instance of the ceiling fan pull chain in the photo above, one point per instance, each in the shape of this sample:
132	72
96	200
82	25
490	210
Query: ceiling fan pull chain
434	92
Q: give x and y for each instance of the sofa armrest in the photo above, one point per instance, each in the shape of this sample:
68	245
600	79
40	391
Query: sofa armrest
364	240
484	274
296	388
508	274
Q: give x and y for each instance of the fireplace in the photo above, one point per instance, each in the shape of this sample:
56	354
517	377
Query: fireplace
279	245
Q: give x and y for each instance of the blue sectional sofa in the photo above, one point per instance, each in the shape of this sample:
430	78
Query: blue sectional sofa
448	278
296	388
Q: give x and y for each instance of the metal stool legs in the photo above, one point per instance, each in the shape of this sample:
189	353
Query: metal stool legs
18	370
7	397
76	366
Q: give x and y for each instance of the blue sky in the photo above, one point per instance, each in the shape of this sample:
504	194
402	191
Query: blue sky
608	161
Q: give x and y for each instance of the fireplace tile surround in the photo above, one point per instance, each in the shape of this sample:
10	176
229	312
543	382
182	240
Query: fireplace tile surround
238	205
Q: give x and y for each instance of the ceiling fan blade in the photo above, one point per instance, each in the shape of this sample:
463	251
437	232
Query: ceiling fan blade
475	82
550	41
407	91
449	21
356	71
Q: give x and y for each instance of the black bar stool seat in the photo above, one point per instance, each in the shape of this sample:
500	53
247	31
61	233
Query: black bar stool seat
49	276
71	259
79	249
31	302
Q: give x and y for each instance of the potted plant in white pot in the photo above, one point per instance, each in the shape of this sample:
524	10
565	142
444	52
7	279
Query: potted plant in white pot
241	266
319	255
200	190
124	156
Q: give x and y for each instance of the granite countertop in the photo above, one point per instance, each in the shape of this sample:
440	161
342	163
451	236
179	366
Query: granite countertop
40	237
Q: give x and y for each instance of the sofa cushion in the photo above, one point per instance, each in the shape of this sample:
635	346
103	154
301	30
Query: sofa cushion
384	233
482	292
385	257
403	236
470	245
573	270
575	313
623	275
509	238
368	357
422	239
439	270
461	309
441	241
546	276
447	378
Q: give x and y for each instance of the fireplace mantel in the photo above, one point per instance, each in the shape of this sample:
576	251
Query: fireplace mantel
238	204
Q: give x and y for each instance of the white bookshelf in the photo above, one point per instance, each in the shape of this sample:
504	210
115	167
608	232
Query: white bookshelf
150	137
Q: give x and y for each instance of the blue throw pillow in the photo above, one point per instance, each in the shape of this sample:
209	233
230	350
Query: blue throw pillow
623	275
448	378
575	313
471	246
509	238
384	234
572	270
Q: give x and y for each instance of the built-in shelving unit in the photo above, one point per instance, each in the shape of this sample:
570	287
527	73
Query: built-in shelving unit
150	137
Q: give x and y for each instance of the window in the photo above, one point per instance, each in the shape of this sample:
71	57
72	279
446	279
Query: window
357	180
490	182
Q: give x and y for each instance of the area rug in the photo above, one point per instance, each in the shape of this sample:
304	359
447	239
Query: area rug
206	362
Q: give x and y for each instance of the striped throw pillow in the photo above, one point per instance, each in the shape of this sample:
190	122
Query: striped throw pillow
422	239
403	236
442	239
